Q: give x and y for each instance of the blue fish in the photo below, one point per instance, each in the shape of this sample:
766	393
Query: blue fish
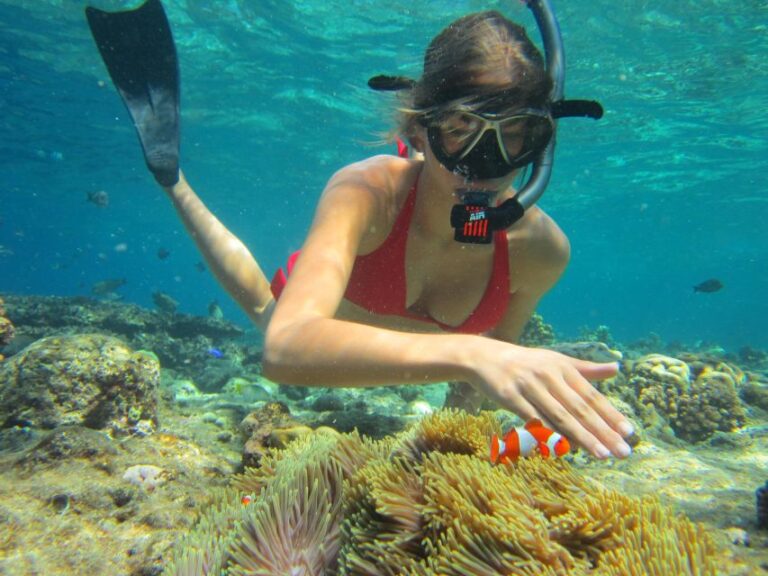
215	352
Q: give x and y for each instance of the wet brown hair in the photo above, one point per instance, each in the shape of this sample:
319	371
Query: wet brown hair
479	54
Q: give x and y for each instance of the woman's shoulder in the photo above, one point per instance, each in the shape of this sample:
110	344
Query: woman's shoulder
378	187
385	179
383	172
540	241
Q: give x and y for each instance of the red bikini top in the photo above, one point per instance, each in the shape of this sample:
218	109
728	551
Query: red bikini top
378	281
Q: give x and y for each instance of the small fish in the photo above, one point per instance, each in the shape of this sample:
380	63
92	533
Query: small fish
215	353
164	302
708	286
215	311
247	499
163	253
105	287
533	438
99	197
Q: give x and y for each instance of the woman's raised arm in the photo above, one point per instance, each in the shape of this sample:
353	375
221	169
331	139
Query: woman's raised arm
229	260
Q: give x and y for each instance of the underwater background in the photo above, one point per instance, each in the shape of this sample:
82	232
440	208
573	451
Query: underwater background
666	191
137	433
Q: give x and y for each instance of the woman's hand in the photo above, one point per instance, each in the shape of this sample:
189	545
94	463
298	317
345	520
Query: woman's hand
539	383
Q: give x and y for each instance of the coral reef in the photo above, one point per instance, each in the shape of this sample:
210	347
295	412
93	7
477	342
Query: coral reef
753	358
79	502
761	505
594	351
651	344
260	426
49	313
429	502
537	332
65	443
755	391
89	379
6	327
184	343
372	412
165	303
600	334
696	401
115	505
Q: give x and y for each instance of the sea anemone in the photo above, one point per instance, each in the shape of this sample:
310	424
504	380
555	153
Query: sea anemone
293	527
428	502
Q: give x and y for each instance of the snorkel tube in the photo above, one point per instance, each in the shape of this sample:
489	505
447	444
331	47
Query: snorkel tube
555	59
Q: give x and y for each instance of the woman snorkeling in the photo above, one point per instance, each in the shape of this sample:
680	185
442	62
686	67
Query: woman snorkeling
406	275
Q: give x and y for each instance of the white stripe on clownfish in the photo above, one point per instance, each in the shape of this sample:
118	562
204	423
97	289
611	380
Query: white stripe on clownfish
528	443
551	443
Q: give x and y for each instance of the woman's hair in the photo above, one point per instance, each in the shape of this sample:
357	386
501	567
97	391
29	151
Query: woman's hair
478	54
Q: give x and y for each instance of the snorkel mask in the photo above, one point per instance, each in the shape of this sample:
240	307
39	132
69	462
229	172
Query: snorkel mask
483	145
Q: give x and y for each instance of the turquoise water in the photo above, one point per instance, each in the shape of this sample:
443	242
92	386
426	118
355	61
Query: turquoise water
667	190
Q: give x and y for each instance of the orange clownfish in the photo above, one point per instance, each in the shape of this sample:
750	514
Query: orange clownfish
528	440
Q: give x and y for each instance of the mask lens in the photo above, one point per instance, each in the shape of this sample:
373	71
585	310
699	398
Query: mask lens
522	137
513	135
459	131
461	140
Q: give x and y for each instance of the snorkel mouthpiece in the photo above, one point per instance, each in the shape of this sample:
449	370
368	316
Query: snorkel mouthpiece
474	221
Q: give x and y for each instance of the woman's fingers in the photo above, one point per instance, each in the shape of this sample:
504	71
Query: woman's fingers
514	401
595	370
602	406
555	387
568	416
601	371
575	408
594	414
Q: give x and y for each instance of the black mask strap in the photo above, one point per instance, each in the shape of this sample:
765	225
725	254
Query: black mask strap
576	109
385	83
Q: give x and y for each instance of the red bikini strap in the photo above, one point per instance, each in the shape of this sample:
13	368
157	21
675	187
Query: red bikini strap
402	149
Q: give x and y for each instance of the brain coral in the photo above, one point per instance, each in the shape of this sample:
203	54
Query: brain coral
428	502
88	379
696	404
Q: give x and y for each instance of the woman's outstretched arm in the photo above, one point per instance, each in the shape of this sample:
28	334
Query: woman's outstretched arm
227	257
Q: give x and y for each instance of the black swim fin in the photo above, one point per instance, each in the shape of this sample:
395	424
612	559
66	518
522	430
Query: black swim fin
137	47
